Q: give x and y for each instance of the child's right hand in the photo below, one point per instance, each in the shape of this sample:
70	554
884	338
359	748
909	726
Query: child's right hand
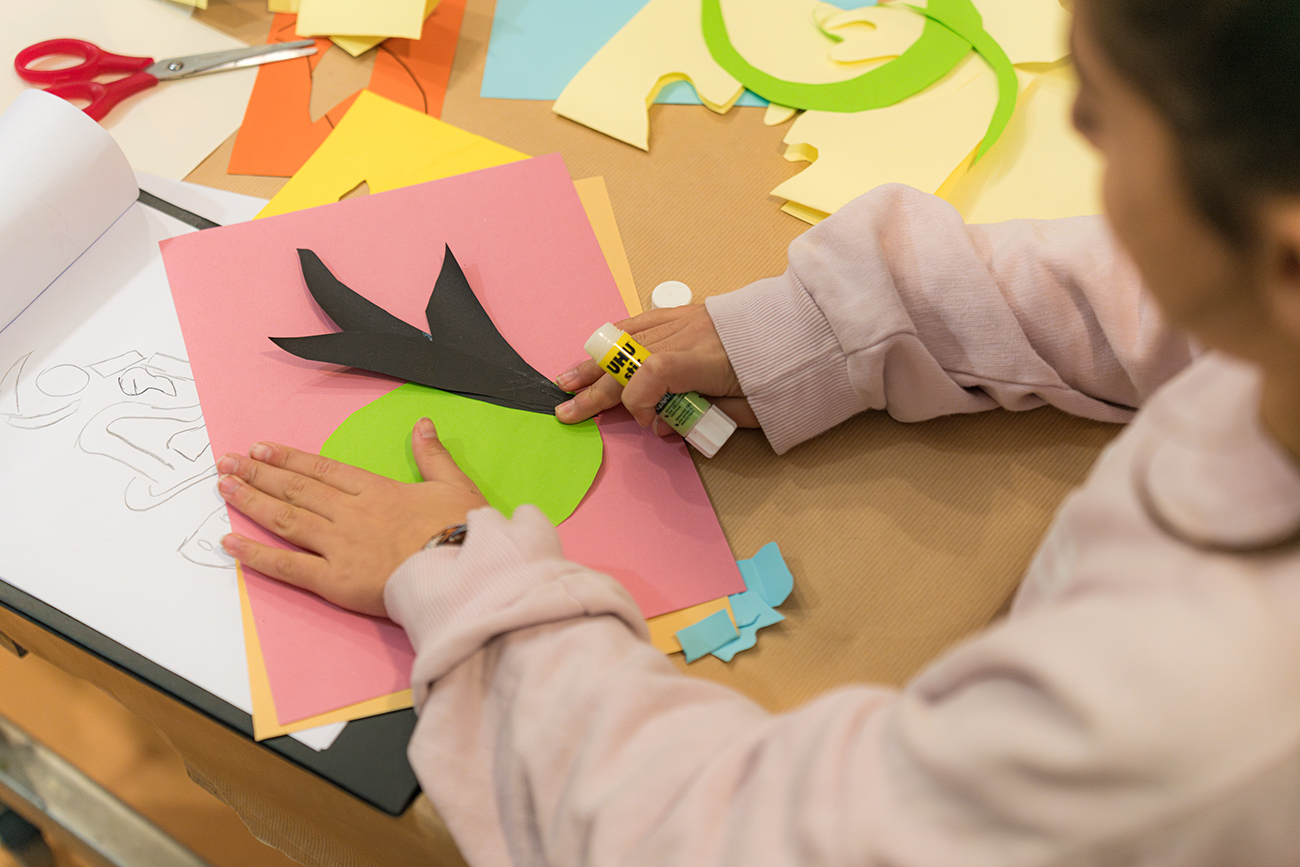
686	355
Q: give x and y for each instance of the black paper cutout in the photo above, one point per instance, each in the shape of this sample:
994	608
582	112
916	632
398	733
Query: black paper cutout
463	352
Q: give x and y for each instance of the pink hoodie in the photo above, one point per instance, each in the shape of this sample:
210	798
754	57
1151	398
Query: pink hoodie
1141	706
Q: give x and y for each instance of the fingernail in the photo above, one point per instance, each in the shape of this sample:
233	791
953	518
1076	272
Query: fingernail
565	408
227	464
230	544
564	380
227	484
260	452
424	427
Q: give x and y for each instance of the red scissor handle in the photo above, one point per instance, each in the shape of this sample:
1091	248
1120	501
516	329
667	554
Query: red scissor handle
77	81
95	61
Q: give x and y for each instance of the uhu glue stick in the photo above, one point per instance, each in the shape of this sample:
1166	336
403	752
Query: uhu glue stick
702	424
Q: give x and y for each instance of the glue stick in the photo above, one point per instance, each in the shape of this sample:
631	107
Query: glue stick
702	424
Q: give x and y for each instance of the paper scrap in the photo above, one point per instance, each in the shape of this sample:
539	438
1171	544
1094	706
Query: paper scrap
660	44
706	636
372	18
768	583
663	628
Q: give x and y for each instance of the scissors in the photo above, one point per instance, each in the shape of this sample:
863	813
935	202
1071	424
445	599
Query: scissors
78	81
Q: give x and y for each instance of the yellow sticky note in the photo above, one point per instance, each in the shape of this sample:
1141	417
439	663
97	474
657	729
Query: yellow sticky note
384	18
661	44
386	146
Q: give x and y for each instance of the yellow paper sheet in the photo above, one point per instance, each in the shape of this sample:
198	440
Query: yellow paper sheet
197	4
386	146
369	18
661	44
282	6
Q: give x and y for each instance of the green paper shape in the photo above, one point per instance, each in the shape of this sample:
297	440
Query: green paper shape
514	456
972	30
952	28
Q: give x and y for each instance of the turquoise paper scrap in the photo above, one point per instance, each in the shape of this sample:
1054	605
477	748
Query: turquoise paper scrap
768	583
706	636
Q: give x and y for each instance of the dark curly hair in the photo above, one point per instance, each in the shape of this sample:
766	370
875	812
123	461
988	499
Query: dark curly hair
1226	75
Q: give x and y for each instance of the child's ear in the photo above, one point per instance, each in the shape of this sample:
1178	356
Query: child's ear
1282	263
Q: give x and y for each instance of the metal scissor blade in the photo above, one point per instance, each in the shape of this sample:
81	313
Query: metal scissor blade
237	58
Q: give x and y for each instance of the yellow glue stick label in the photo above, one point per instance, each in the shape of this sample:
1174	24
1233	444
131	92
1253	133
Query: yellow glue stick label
624	359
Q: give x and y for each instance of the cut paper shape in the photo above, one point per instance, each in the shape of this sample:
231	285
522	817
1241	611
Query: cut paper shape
538	46
600	212
462	352
768	583
710	634
387	146
359	45
917	142
534	262
278	135
660	44
663	629
372	18
513	457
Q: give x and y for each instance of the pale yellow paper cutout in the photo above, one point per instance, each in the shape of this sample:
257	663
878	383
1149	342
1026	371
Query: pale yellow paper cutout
290	6
369	18
359	45
661	44
197	4
872	33
1041	167
1029	31
916	142
775	115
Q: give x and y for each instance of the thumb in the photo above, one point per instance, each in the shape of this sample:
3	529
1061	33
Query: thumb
432	459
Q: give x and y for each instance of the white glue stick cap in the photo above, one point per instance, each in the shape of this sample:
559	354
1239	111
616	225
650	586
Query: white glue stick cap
601	342
711	431
672	293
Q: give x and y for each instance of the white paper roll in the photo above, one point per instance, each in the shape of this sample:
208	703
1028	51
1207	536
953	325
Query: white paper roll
63	181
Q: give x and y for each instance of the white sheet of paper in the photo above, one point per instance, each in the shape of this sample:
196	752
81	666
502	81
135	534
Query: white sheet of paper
111	513
166	130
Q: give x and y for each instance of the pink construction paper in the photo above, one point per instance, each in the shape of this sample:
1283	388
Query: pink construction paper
523	240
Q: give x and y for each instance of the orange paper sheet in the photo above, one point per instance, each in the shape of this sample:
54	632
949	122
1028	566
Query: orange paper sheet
278	135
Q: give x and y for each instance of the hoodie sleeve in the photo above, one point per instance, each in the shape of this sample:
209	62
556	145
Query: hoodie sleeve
895	303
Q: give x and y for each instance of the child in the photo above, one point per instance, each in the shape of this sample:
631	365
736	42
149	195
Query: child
1142	703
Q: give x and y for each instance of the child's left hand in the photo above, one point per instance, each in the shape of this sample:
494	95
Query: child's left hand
355	527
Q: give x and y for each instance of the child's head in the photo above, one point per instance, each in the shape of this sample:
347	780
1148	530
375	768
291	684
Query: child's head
1225	74
1195	107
